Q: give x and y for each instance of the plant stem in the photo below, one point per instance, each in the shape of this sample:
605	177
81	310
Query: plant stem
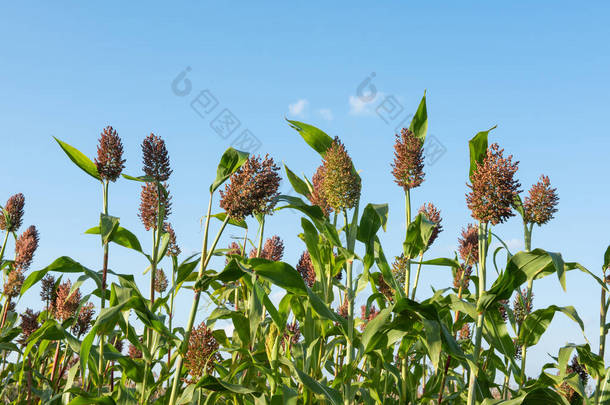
350	311
602	336
530	284
404	365
103	303
416	281
259	246
205	258
479	328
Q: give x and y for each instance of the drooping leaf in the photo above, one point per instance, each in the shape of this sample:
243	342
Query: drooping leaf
79	159
120	236
297	183
223	215
537	322
317	139
478	149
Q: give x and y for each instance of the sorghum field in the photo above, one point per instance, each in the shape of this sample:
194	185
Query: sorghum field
465	343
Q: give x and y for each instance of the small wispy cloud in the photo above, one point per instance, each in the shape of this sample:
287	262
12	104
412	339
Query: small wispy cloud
326	113
298	107
358	106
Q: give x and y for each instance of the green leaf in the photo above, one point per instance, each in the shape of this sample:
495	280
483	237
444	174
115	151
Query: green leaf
222	215
478	149
87	399
537	322
374	216
314	386
141	179
230	162
317	139
108	224
281	274
607	258
120	236
604	396
79	159
297	183
419	123
63	264
418	235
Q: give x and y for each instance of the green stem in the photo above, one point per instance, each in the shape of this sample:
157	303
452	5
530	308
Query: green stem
259	247
100	366
421	257
4	245
350	311
480	317
404	366
527	237
602	337
205	258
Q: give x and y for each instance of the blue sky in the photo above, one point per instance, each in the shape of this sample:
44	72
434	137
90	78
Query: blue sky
539	72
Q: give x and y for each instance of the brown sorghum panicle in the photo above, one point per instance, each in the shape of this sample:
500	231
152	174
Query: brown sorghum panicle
134	352
118	344
568	392
493	187
109	160
47	289
317	193
306	269
233	249
66	304
13	284
272	250
408	166
149	205
469	245
541	203
29	325
25	246
341	185
202	352
253	189
173	250
155	158
384	288
292	334
367	316
12	215
83	322
434	215
465	332
343	309
160	281
461	278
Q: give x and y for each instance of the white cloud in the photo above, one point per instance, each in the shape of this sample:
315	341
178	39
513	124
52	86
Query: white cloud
326	113
298	108
360	106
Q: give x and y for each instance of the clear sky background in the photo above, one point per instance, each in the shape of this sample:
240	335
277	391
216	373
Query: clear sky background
540	72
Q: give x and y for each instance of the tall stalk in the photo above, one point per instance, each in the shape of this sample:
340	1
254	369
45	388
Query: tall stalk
100	366
404	365
527	237
205	258
602	336
350	310
479	327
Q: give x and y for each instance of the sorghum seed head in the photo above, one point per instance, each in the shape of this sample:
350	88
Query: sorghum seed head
65	304
408	166
173	250
399	269
502	304
541	203
12	215
134	352
317	193
384	288
13	284
25	246
367	316
272	250
522	305
29	325
202	352
252	189
160	281
118	344
465	332
47	289
343	309
149	205
234	249
292	335
341	184
461	278
434	215
84	320
493	187
518	351
566	390
469	245
109	160
155	158
305	268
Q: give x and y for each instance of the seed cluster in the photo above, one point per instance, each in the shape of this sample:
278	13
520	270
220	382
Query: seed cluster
433	215
541	203
468	245
408	166
12	214
341	184
306	269
109	161
202	352
155	158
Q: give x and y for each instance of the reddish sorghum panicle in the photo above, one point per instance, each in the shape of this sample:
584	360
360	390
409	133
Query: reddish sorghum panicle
252	189
541	203
272	250
134	352
202	352
434	215
15	279
160	281
65	304
149	205
173	250
493	187
306	269
233	249
11	216
317	193
465	332
155	158
341	185
343	309
29	325
47	289
25	246
84	320
367	315
408	166
469	245
292	335
384	288
461	278
109	160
